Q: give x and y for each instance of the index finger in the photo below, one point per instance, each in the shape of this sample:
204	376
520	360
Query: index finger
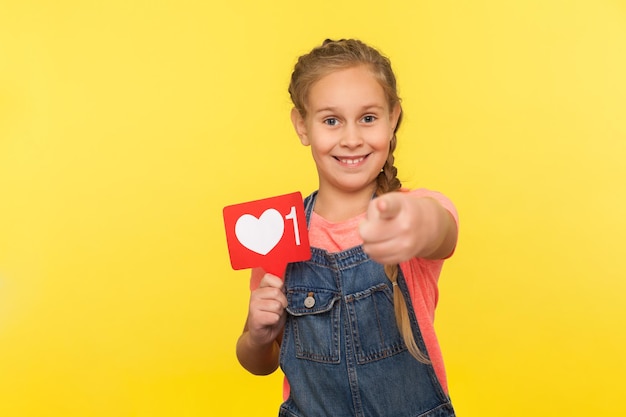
388	206
270	280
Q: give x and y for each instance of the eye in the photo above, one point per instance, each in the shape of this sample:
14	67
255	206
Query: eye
331	121
369	118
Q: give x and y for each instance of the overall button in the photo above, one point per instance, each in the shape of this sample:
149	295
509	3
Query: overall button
309	301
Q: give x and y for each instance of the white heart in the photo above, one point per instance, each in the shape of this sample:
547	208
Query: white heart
263	234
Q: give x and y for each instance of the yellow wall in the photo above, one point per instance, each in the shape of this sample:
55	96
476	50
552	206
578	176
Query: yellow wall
126	126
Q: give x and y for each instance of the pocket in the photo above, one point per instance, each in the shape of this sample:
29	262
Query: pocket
314	314
373	324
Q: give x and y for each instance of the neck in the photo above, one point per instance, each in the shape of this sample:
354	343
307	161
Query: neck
336	206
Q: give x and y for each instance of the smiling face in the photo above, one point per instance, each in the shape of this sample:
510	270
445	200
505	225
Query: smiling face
348	124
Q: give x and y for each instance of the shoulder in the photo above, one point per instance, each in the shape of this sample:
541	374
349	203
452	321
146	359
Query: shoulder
436	195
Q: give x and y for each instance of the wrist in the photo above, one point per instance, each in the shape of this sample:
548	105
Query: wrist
251	344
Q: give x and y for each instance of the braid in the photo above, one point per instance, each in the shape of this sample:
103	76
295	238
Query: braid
402	315
387	181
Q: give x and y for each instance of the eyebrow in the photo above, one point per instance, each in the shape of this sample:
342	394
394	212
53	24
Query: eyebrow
331	109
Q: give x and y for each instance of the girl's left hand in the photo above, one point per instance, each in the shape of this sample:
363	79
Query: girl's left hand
399	226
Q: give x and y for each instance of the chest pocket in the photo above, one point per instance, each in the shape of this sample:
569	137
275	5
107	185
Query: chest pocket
314	317
373	322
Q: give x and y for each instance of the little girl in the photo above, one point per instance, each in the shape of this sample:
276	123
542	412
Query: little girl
352	328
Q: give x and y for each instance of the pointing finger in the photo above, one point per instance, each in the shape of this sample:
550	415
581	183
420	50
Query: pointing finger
388	206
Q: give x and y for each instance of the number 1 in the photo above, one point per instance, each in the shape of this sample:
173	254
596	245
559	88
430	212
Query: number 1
292	216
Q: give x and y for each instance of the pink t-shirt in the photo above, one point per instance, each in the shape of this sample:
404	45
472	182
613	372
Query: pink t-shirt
422	275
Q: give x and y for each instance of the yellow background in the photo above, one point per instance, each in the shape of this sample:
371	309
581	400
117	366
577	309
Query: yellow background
126	126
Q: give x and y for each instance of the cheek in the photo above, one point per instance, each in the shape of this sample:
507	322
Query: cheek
323	143
318	152
381	138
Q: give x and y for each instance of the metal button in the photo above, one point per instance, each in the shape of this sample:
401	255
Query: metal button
309	301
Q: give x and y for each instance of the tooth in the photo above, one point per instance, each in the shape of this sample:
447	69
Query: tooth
351	161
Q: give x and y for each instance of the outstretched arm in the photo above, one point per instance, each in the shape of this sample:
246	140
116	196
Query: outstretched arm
400	226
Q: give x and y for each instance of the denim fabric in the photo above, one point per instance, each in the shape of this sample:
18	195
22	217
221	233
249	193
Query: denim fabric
342	352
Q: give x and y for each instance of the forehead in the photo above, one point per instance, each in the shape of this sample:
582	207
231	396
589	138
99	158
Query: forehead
353	86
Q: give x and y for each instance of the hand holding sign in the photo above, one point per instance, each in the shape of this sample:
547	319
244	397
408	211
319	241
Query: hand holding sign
267	233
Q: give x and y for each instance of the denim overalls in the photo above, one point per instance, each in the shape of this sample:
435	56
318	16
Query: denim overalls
342	352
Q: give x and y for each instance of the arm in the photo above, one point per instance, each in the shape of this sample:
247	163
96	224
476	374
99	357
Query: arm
259	344
400	226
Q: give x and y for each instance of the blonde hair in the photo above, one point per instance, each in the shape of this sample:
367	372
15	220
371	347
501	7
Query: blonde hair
346	53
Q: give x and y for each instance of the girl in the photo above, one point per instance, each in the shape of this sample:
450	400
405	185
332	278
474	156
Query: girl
352	328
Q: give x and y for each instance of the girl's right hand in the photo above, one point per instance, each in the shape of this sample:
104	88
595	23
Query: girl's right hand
266	313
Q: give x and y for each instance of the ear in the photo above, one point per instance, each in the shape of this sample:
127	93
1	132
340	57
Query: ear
394	117
300	126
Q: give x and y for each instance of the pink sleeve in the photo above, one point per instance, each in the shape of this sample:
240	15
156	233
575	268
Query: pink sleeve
442	199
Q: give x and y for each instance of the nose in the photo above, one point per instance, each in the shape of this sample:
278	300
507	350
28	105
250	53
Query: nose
352	137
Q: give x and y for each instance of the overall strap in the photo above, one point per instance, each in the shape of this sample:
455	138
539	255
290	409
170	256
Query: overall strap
309	203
